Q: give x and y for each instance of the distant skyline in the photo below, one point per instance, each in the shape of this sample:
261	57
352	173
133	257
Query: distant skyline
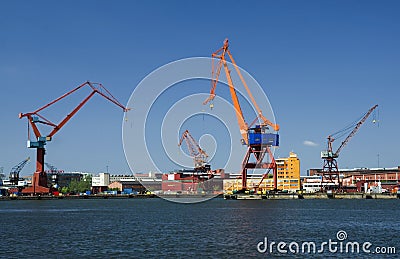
322	65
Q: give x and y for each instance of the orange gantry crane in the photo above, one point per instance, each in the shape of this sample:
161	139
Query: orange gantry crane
257	138
330	169
201	172
39	180
198	154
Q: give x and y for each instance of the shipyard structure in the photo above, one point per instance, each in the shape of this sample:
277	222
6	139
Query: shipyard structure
362	180
288	178
367	180
190	182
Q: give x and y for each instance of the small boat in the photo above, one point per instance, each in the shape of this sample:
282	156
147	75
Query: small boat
248	197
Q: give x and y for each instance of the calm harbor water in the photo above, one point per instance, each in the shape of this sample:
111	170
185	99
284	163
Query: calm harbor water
154	228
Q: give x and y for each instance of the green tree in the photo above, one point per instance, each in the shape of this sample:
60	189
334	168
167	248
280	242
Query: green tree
81	185
64	190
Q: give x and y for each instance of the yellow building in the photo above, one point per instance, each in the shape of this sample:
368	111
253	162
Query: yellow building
288	170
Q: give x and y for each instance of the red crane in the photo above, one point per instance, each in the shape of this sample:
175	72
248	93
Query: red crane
198	154
257	138
39	180
330	170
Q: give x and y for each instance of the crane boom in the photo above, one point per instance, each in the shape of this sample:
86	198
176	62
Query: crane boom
33	117
198	154
14	173
220	54
53	169
265	121
216	70
354	131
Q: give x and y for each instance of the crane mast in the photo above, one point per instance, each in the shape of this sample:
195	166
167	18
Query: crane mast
39	180
257	139
330	170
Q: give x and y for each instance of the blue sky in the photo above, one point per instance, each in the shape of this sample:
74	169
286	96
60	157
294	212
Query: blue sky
321	63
